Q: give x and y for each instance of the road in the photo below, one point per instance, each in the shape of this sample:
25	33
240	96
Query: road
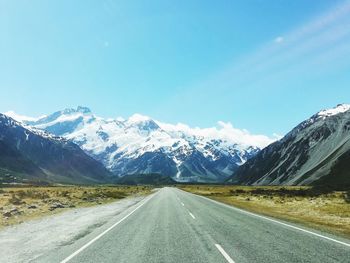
174	226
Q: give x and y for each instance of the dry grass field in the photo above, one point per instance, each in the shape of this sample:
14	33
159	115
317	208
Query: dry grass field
327	211
23	203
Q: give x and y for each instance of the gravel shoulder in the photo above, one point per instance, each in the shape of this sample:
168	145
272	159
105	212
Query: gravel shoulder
29	240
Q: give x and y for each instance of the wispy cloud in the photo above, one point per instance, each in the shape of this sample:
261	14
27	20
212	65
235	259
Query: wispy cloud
306	43
279	39
321	44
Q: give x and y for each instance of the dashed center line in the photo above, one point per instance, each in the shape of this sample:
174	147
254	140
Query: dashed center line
223	252
192	215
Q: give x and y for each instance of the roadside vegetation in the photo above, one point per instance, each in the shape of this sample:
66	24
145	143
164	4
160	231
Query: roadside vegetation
18	204
321	209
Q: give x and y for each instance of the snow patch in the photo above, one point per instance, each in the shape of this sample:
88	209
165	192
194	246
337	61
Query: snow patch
21	118
341	108
138	118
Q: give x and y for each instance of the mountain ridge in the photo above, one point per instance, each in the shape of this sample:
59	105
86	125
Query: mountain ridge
31	155
141	145
309	153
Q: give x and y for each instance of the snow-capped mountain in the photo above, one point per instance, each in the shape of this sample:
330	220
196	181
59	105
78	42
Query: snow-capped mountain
317	151
31	155
139	144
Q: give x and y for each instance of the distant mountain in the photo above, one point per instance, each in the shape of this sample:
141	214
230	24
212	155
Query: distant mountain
30	155
141	145
146	179
316	152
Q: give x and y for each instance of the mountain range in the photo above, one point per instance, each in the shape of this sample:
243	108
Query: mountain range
141	145
138	149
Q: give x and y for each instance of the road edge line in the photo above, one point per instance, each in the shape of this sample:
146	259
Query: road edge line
224	253
67	259
272	220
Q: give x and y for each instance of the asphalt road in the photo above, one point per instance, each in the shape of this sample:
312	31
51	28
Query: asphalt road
175	226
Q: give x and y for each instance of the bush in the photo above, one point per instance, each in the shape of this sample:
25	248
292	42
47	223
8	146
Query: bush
14	200
32	194
347	196
237	191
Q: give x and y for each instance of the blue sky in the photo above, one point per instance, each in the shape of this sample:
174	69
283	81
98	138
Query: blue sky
262	65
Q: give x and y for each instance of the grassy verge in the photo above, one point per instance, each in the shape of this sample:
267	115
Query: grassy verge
23	203
326	211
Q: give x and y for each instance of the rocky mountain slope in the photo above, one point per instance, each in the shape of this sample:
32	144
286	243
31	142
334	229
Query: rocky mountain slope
141	145
30	155
317	151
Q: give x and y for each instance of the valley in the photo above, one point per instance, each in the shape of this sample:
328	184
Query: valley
301	178
175	131
74	166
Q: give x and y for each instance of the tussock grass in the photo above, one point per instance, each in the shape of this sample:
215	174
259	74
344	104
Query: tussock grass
18	204
318	208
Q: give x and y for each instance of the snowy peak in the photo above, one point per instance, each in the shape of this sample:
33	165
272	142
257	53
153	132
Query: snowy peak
137	118
63	122
70	111
79	109
317	150
8	121
319	118
84	110
21	118
143	123
340	108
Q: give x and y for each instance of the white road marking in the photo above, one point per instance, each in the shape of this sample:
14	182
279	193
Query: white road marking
275	221
192	215
223	252
103	233
182	204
